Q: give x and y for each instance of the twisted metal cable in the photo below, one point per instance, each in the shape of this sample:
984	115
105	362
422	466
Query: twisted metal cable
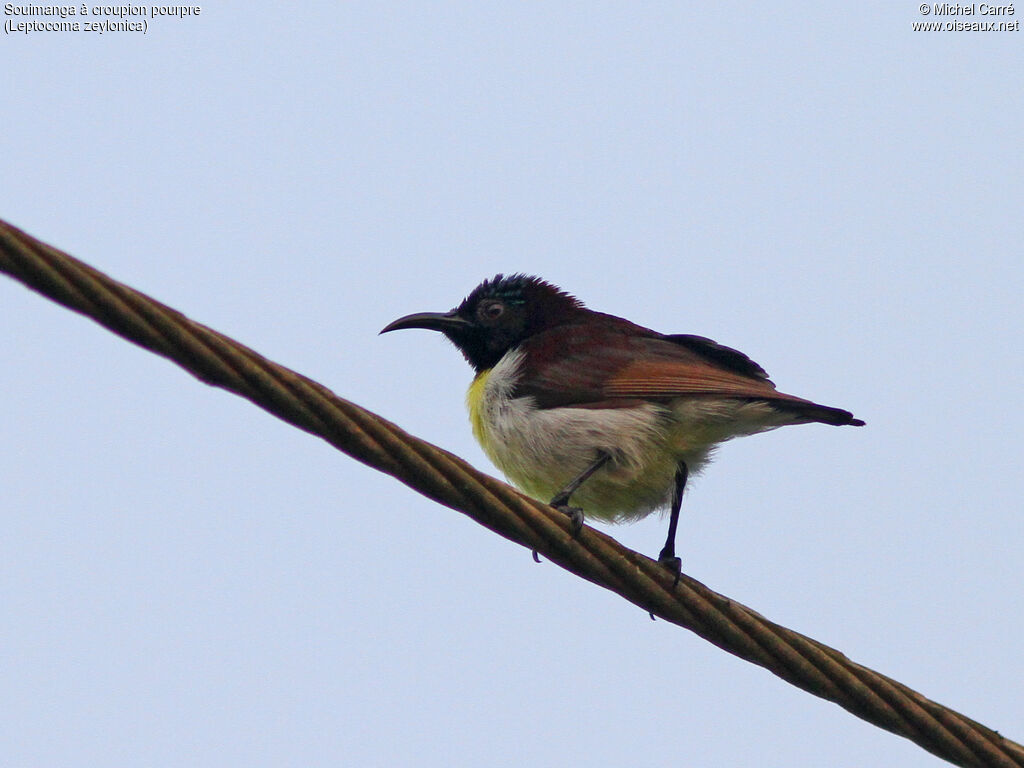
222	362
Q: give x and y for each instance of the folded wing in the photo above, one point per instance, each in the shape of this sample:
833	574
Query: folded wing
617	364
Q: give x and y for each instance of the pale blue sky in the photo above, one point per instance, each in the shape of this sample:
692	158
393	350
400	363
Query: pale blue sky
185	581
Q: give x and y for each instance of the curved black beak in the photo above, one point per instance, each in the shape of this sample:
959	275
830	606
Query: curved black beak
445	322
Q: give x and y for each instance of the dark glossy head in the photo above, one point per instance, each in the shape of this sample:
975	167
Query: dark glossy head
497	316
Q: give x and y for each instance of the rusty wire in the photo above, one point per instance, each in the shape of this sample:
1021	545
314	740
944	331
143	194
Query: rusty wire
222	362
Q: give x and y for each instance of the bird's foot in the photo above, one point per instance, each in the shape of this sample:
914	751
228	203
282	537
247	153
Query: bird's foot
575	515
673	564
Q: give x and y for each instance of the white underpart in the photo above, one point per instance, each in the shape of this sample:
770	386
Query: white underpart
541	450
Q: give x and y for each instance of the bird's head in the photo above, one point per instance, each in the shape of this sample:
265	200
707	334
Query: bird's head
496	317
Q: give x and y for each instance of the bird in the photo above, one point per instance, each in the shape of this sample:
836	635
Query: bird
575	405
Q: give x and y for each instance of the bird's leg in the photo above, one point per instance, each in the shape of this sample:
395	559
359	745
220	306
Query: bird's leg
668	552
561	500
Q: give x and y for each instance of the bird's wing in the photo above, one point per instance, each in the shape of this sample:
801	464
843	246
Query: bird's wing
594	361
593	365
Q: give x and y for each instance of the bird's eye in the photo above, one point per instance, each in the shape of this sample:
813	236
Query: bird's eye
491	310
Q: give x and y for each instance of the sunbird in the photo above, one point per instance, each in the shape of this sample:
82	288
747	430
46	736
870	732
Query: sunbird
573	404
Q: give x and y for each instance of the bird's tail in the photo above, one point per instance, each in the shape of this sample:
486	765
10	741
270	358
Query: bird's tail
822	414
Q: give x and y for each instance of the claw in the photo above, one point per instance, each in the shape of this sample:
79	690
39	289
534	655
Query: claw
575	515
561	500
672	563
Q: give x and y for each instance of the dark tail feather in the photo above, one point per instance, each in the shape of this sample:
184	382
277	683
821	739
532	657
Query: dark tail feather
822	414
